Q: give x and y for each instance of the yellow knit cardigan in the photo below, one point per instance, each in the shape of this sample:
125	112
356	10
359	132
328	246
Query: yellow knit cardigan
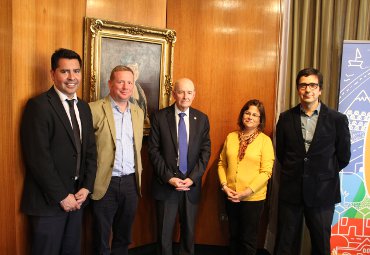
252	171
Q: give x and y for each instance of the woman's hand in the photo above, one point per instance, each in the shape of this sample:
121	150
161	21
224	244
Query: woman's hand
246	193
232	195
236	197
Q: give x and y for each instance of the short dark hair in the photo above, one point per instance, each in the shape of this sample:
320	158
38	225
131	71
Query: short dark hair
260	108
63	53
120	68
307	72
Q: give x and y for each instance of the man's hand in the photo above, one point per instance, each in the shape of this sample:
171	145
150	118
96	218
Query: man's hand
81	196
181	185
188	182
69	203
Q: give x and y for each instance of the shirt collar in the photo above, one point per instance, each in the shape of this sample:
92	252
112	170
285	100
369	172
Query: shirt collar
316	111
177	111
63	97
116	106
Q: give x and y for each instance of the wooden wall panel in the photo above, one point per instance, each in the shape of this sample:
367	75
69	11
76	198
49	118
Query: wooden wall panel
7	231
141	12
230	50
38	27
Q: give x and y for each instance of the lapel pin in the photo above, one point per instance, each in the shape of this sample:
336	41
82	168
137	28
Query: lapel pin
195	118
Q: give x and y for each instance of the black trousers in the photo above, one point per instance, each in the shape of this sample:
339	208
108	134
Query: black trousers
244	218
290	219
56	235
166	217
116	211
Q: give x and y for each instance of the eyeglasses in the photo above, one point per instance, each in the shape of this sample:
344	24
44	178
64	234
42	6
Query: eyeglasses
254	115
303	86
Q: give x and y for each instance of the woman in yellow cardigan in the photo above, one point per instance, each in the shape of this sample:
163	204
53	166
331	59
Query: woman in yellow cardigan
244	168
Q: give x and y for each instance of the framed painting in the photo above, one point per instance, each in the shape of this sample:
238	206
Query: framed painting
147	51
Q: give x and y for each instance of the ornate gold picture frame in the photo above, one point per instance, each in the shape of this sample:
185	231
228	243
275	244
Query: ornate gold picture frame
148	51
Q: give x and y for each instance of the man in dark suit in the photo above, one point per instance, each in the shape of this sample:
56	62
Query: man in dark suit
59	152
312	146
179	149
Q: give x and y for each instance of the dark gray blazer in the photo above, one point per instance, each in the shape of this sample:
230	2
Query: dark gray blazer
312	177
163	152
50	154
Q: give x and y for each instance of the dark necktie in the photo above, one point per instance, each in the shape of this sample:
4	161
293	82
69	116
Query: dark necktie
183	144
76	133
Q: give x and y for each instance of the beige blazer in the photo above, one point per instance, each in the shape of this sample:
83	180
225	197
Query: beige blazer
105	135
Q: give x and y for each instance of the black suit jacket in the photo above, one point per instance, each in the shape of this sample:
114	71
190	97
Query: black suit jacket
312	177
50	154
163	152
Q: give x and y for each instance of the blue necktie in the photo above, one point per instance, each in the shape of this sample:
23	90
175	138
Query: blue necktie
183	144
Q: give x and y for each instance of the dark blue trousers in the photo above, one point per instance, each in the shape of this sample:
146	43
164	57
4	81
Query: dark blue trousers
56	235
115	211
244	218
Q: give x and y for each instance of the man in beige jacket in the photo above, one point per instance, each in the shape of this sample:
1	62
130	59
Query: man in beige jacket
118	126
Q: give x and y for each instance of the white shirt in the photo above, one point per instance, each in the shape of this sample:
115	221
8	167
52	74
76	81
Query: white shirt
63	98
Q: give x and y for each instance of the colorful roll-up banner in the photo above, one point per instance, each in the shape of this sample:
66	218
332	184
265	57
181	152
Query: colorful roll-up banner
351	223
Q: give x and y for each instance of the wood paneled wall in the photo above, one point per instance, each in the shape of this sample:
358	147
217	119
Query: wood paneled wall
35	30
142	12
7	201
230	50
228	47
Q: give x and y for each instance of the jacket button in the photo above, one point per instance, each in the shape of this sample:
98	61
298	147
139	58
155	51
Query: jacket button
305	159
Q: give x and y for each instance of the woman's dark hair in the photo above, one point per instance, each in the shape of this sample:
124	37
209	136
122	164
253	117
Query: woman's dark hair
260	108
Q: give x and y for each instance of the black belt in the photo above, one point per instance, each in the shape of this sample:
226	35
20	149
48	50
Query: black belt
123	176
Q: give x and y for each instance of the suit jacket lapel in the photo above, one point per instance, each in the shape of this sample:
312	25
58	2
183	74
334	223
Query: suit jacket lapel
83	119
298	126
192	126
107	108
135	121
318	129
61	112
172	125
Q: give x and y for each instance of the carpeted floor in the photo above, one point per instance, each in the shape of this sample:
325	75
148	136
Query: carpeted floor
199	250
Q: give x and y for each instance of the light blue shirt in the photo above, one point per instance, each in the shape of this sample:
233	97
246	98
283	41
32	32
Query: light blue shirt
124	161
